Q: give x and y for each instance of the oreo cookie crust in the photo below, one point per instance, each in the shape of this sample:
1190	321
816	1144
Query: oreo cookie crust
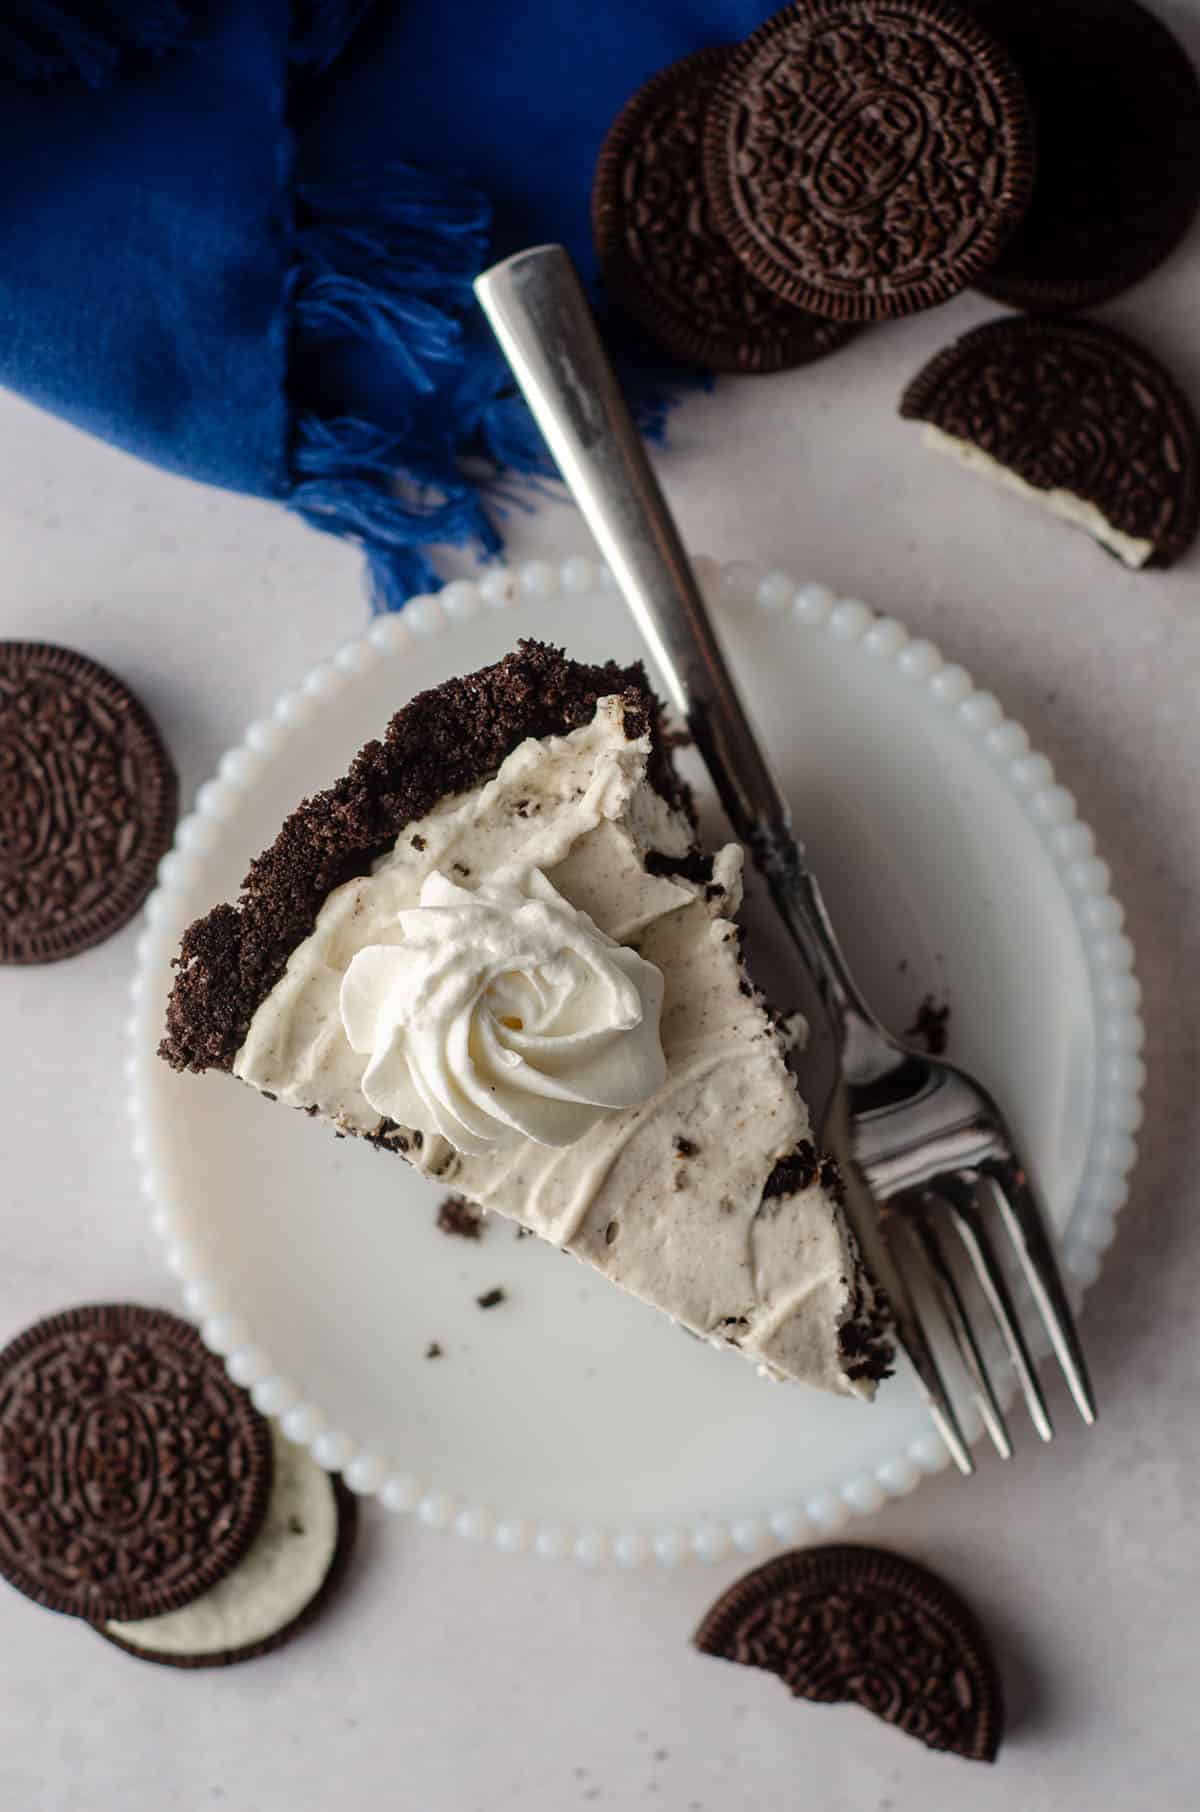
1116	106
661	257
868	158
445	741
88	799
133	1473
288	1574
1078	416
847	1624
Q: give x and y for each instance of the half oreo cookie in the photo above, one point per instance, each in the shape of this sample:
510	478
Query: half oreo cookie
1076	417
856	1624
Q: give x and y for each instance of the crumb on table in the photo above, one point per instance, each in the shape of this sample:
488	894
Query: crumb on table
931	1027
460	1218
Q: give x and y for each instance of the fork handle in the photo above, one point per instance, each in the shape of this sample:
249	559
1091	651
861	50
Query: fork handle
541	317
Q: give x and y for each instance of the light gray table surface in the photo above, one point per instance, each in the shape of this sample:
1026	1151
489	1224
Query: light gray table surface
450	1678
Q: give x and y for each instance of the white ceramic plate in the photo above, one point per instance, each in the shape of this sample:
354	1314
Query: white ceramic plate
571	1417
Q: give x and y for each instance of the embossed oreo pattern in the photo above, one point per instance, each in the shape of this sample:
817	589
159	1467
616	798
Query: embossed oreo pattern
856	1624
868	157
661	256
87	803
133	1473
1070	405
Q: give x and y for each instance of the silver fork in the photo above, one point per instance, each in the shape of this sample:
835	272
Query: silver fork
930	1144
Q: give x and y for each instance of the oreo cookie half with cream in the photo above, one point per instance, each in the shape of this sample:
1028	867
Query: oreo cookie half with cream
278	1588
1076	417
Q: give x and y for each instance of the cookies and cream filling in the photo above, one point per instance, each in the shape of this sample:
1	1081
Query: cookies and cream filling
1068	506
646	1087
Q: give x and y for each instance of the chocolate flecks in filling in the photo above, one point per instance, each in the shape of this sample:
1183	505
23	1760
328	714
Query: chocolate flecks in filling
418	843
801	1169
491	1298
445	742
692	866
387	1137
684	1148
461	1219
434	1350
863	1334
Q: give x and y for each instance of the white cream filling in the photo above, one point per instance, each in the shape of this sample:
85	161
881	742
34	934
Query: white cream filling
282	1572
685	1233
1066	505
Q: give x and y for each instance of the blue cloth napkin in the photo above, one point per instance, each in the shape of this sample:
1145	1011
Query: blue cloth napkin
238	238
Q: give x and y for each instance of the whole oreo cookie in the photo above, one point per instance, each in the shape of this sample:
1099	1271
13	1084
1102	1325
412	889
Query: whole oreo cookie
133	1473
660	255
1116	106
856	1624
1080	417
288	1574
868	158
87	803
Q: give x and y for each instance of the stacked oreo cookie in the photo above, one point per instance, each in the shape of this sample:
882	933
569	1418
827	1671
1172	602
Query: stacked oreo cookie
857	160
142	1491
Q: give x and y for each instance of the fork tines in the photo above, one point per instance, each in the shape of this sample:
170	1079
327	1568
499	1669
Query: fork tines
949	1216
